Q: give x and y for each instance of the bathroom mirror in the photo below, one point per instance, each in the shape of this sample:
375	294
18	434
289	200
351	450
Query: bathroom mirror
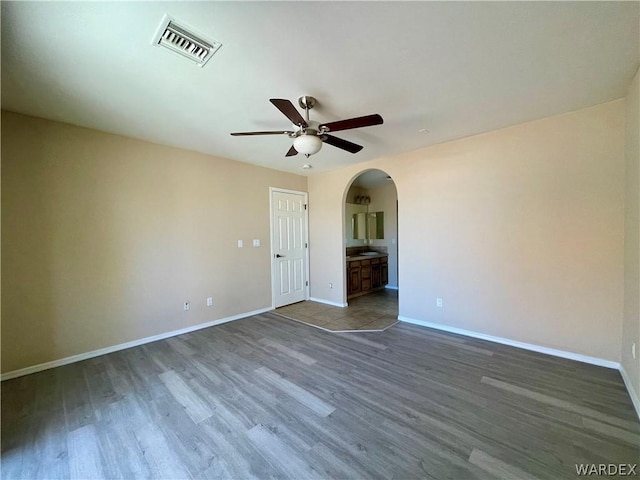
376	225
362	225
359	226
355	224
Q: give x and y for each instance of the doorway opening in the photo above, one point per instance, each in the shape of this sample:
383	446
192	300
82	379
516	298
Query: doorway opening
371	242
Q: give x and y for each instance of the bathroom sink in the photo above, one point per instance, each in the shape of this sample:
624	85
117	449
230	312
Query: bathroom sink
370	253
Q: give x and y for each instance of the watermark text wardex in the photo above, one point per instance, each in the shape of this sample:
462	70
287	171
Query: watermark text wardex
609	469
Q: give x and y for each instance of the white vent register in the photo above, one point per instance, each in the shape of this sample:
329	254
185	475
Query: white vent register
178	39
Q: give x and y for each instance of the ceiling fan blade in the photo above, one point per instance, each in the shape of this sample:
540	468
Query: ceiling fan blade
366	121
340	143
280	132
292	151
291	112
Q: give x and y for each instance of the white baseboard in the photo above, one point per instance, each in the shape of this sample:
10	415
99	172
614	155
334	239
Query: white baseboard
601	362
632	391
103	351
391	287
327	302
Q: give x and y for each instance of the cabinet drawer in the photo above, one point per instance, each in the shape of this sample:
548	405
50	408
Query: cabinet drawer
384	259
375	261
353	264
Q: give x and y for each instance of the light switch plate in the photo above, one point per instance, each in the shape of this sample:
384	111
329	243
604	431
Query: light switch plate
240	244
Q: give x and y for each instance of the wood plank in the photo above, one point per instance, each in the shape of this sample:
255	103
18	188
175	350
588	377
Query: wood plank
122	456
497	467
84	453
301	357
360	339
301	395
279	454
572	407
192	403
632	438
162	460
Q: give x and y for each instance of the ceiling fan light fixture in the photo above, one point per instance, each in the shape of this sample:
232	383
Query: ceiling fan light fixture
308	136
307	144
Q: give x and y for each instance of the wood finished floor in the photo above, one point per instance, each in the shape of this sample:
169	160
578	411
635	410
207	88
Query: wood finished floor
267	397
373	312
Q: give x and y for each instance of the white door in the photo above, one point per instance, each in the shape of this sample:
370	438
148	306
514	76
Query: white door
289	246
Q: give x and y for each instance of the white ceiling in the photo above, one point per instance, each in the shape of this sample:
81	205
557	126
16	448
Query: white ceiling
371	179
454	68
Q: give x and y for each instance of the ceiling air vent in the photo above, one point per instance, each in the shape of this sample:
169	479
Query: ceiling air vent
180	40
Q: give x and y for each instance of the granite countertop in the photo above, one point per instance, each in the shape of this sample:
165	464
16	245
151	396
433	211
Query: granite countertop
365	257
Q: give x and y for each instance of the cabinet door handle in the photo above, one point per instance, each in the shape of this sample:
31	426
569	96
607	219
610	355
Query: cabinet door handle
279	256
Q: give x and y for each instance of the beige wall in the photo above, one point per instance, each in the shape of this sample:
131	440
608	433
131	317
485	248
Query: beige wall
105	237
631	323
520	231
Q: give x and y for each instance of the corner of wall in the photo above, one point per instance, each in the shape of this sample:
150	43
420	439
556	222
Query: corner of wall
630	366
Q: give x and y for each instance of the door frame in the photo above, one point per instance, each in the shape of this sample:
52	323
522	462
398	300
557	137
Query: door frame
272	190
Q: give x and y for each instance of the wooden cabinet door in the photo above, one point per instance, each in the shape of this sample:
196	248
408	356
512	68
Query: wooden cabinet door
384	274
355	280
365	275
375	273
376	276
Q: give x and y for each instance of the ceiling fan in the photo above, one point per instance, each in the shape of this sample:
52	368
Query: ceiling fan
309	135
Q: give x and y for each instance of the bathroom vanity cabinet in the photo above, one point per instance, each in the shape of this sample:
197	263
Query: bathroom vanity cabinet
366	273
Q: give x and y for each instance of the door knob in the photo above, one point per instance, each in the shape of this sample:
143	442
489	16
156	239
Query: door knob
279	256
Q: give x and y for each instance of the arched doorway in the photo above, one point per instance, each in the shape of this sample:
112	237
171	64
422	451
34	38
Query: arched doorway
370	216
370	240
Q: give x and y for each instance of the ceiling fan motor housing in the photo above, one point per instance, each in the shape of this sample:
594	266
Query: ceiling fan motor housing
312	129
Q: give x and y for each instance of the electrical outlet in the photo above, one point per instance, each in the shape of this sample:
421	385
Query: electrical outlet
240	244
331	285
633	350
187	306
209	301
256	242
439	302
